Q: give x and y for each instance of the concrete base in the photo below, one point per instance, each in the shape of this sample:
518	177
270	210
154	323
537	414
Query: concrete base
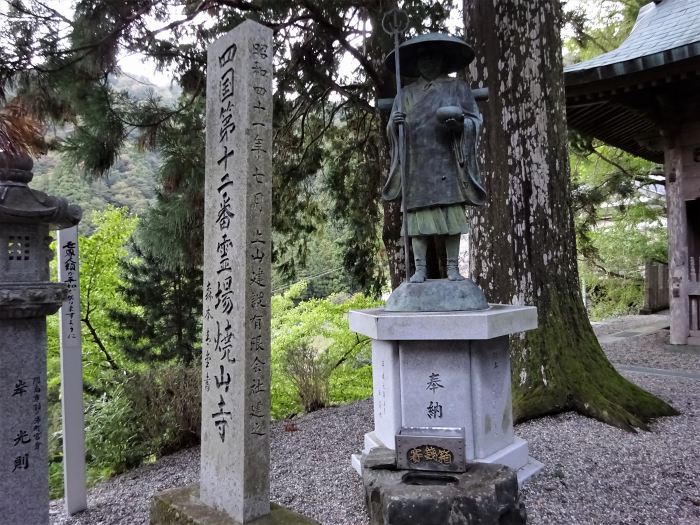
182	506
514	455
530	469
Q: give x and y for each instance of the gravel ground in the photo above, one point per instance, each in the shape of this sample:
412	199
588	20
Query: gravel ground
310	474
648	349
593	473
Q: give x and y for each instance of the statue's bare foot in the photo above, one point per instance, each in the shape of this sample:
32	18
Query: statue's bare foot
454	275
419	276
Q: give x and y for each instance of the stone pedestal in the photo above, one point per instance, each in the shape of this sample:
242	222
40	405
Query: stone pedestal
182	506
484	494
447	369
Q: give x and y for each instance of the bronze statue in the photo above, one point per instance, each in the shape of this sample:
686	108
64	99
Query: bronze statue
441	124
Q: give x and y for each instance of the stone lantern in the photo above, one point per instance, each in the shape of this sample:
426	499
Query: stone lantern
26	298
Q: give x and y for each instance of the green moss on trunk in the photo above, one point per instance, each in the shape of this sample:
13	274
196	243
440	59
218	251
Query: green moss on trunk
561	366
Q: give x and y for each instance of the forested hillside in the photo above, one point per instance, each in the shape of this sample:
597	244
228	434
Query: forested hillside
131	182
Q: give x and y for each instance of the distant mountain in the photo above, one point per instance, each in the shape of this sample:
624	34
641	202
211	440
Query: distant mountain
132	181
140	87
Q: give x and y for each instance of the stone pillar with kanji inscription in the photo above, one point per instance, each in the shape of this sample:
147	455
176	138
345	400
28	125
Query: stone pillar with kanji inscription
26	298
235	453
237	251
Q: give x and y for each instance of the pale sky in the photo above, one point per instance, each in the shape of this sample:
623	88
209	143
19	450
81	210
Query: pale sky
137	64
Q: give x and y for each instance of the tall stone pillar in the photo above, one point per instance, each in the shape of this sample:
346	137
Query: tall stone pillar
234	483
26	298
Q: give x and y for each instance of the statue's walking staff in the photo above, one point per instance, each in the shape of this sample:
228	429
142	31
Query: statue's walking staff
394	23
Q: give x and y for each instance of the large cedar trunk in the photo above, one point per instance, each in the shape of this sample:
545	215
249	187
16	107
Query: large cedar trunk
523	241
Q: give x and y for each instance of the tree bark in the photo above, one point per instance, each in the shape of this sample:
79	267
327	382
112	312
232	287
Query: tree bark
393	243
523	241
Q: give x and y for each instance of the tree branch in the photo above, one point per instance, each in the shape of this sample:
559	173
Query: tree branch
610	273
318	136
340	36
359	342
96	338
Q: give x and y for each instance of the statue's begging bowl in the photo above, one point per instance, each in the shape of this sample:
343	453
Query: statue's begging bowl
452	116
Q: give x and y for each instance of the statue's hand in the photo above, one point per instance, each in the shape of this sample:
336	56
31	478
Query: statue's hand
451	117
453	124
399	118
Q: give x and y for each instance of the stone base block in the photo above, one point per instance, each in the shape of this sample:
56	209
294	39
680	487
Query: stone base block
373	441
531	468
514	456
182	506
437	295
485	494
356	463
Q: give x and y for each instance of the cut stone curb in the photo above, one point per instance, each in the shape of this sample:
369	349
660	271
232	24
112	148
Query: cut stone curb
668	372
634	331
182	506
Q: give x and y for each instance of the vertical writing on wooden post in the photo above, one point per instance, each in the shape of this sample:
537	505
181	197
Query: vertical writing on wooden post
72	374
237	250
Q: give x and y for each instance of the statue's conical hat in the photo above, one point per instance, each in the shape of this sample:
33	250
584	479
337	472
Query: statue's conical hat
456	54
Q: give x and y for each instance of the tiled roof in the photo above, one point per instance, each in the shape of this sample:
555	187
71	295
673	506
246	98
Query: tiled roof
664	32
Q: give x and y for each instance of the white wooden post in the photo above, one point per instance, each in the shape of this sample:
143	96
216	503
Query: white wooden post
72	375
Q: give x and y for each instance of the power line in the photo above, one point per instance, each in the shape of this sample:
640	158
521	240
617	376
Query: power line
307	279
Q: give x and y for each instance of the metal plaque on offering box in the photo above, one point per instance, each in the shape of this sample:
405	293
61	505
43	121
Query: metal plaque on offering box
438	449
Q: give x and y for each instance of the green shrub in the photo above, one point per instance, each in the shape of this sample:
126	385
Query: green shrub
611	296
112	435
55	449
309	369
167	403
145	413
313	350
613	273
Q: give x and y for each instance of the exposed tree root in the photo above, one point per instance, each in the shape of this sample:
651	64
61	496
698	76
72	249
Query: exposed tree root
574	374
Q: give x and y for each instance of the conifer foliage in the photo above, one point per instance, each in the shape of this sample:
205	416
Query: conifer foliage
61	67
167	325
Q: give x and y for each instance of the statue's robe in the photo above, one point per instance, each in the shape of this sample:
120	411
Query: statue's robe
441	165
